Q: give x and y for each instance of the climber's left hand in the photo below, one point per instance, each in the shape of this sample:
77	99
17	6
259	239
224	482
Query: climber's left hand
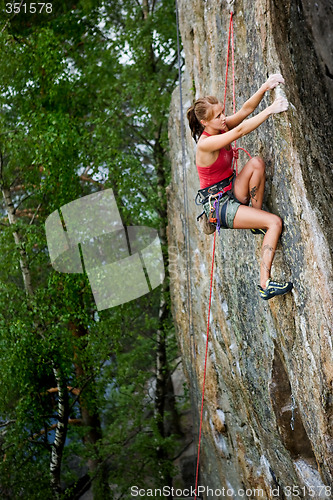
273	81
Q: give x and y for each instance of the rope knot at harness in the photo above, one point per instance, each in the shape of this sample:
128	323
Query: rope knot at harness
235	153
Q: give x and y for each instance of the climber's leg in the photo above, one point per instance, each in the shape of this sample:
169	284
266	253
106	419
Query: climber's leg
250	183
249	217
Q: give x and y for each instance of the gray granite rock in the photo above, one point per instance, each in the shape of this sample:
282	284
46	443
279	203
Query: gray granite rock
267	420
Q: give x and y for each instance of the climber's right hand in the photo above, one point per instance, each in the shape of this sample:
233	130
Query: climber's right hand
273	81
279	105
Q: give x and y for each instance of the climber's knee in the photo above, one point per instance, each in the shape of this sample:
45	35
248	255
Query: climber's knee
258	165
275	223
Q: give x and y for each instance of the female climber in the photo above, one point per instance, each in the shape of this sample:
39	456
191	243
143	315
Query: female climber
226	197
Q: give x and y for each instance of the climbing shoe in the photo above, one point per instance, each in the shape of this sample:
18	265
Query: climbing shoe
274	288
258	231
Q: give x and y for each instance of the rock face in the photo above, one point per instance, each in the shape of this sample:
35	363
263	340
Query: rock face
267	420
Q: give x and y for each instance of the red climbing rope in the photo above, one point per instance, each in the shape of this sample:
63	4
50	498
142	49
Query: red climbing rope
231	43
227	65
245	151
230	37
204	376
233	81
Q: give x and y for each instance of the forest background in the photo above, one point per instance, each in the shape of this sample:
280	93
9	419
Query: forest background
86	397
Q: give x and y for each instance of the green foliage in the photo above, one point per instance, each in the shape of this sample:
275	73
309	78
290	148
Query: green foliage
85	90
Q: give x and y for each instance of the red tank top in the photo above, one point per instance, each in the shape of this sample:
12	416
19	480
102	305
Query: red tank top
217	171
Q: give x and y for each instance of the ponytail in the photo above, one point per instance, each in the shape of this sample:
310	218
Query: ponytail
195	126
200	111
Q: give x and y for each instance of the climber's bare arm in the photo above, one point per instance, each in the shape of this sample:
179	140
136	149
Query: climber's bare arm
250	105
216	142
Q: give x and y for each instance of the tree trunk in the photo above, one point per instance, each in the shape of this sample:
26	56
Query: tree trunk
60	434
90	419
63	411
23	256
161	395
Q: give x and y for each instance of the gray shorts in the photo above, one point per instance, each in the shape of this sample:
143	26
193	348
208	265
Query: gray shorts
228	207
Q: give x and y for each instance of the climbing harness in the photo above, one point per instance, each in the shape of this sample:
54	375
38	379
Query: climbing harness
210	195
214	189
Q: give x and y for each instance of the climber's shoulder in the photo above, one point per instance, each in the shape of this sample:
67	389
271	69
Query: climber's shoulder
212	143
